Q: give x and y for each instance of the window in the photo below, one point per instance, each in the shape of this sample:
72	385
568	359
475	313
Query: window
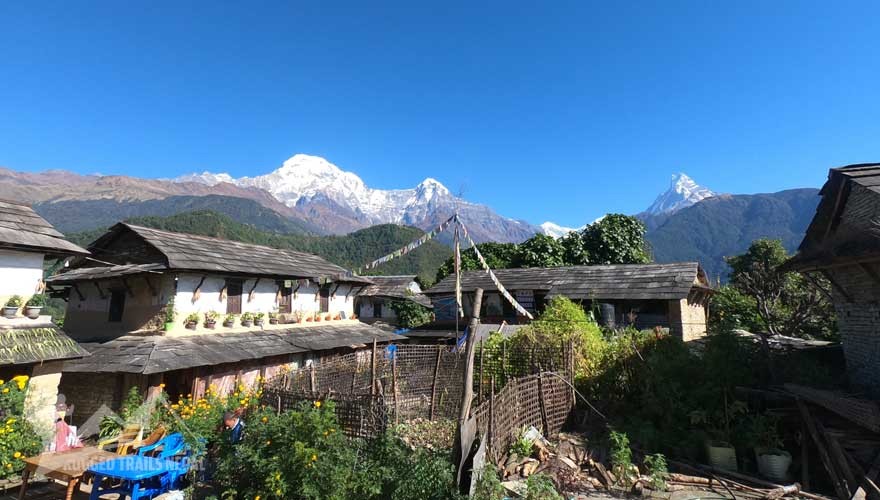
233	296
117	306
325	298
285	304
377	309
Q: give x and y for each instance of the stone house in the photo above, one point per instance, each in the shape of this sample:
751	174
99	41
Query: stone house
32	347
372	303
673	296
842	243
117	311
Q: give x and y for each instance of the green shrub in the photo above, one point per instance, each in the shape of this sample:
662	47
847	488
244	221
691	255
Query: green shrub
540	487
522	446
488	486
621	456
655	466
14	301
38	300
18	439
410	314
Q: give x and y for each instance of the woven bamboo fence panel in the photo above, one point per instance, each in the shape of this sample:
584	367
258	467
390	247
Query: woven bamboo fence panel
542	400
359	415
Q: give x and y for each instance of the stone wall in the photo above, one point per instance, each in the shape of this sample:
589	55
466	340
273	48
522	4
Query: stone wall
687	319
42	394
858	319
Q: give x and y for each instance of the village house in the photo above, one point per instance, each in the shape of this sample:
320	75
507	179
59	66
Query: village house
32	347
119	300
842	243
373	302
673	296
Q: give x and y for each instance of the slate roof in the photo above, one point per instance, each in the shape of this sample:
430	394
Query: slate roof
36	344
21	228
97	273
621	281
157	353
395	287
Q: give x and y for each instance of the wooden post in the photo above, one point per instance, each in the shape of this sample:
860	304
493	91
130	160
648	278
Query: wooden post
504	360
434	382
313	383
571	372
805	457
544	421
394	388
467	393
491	432
373	390
480	394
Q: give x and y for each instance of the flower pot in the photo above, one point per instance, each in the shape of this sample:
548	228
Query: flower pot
773	464
210	325
721	456
247	324
273	321
32	312
192	325
9	311
169	325
258	322
228	324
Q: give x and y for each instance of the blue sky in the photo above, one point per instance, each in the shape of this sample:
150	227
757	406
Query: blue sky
542	110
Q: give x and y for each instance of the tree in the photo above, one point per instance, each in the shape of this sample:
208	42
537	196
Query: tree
786	302
497	255
540	251
574	250
616	239
410	314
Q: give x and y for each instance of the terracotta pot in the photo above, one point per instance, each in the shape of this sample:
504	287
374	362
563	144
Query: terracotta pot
773	464
10	311
210	325
273	321
32	312
192	325
721	456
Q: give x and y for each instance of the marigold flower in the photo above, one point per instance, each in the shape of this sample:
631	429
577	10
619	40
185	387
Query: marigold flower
5	390
317	404
314	458
265	419
162	385
17	454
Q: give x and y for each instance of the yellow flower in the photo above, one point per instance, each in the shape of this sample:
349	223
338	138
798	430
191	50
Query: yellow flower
8	466
17	454
278	493
5	390
162	385
10	421
268	442
1	381
317	404
265	419
21	380
314	458
257	497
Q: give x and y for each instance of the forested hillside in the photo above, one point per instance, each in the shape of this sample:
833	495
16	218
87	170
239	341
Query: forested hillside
350	251
726	225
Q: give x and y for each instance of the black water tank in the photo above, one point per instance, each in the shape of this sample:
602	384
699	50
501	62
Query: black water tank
606	315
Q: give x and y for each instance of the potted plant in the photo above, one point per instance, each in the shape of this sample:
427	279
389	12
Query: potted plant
273	318
719	451
318	317
763	434
211	319
170	314
258	318
192	321
34	306
12	305
247	320
229	321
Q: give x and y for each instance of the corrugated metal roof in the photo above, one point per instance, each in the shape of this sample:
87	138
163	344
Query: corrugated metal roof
156	354
621	281
21	227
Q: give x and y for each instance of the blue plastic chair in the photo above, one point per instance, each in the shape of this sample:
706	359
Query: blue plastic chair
171	445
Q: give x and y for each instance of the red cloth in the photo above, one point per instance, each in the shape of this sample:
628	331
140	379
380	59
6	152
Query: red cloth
65	439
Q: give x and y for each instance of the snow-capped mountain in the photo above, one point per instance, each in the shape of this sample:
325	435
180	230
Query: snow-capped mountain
557	231
316	187
683	192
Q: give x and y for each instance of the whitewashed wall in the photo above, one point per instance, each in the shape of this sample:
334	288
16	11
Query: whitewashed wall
19	273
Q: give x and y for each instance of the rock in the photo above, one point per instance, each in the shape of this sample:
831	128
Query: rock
517	488
529	467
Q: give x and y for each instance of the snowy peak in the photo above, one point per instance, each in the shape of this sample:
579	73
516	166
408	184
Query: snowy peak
205	178
555	230
683	192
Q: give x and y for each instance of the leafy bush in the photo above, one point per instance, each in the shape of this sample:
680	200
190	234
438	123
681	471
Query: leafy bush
621	456
540	487
17	437
658	472
410	314
488	486
14	301
730	305
522	446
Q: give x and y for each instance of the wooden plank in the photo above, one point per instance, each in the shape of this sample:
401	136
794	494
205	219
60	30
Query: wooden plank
434	382
839	487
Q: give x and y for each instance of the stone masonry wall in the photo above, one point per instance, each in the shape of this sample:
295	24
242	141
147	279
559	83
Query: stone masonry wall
859	324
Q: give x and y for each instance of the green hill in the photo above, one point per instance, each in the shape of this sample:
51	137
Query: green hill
726	225
350	251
